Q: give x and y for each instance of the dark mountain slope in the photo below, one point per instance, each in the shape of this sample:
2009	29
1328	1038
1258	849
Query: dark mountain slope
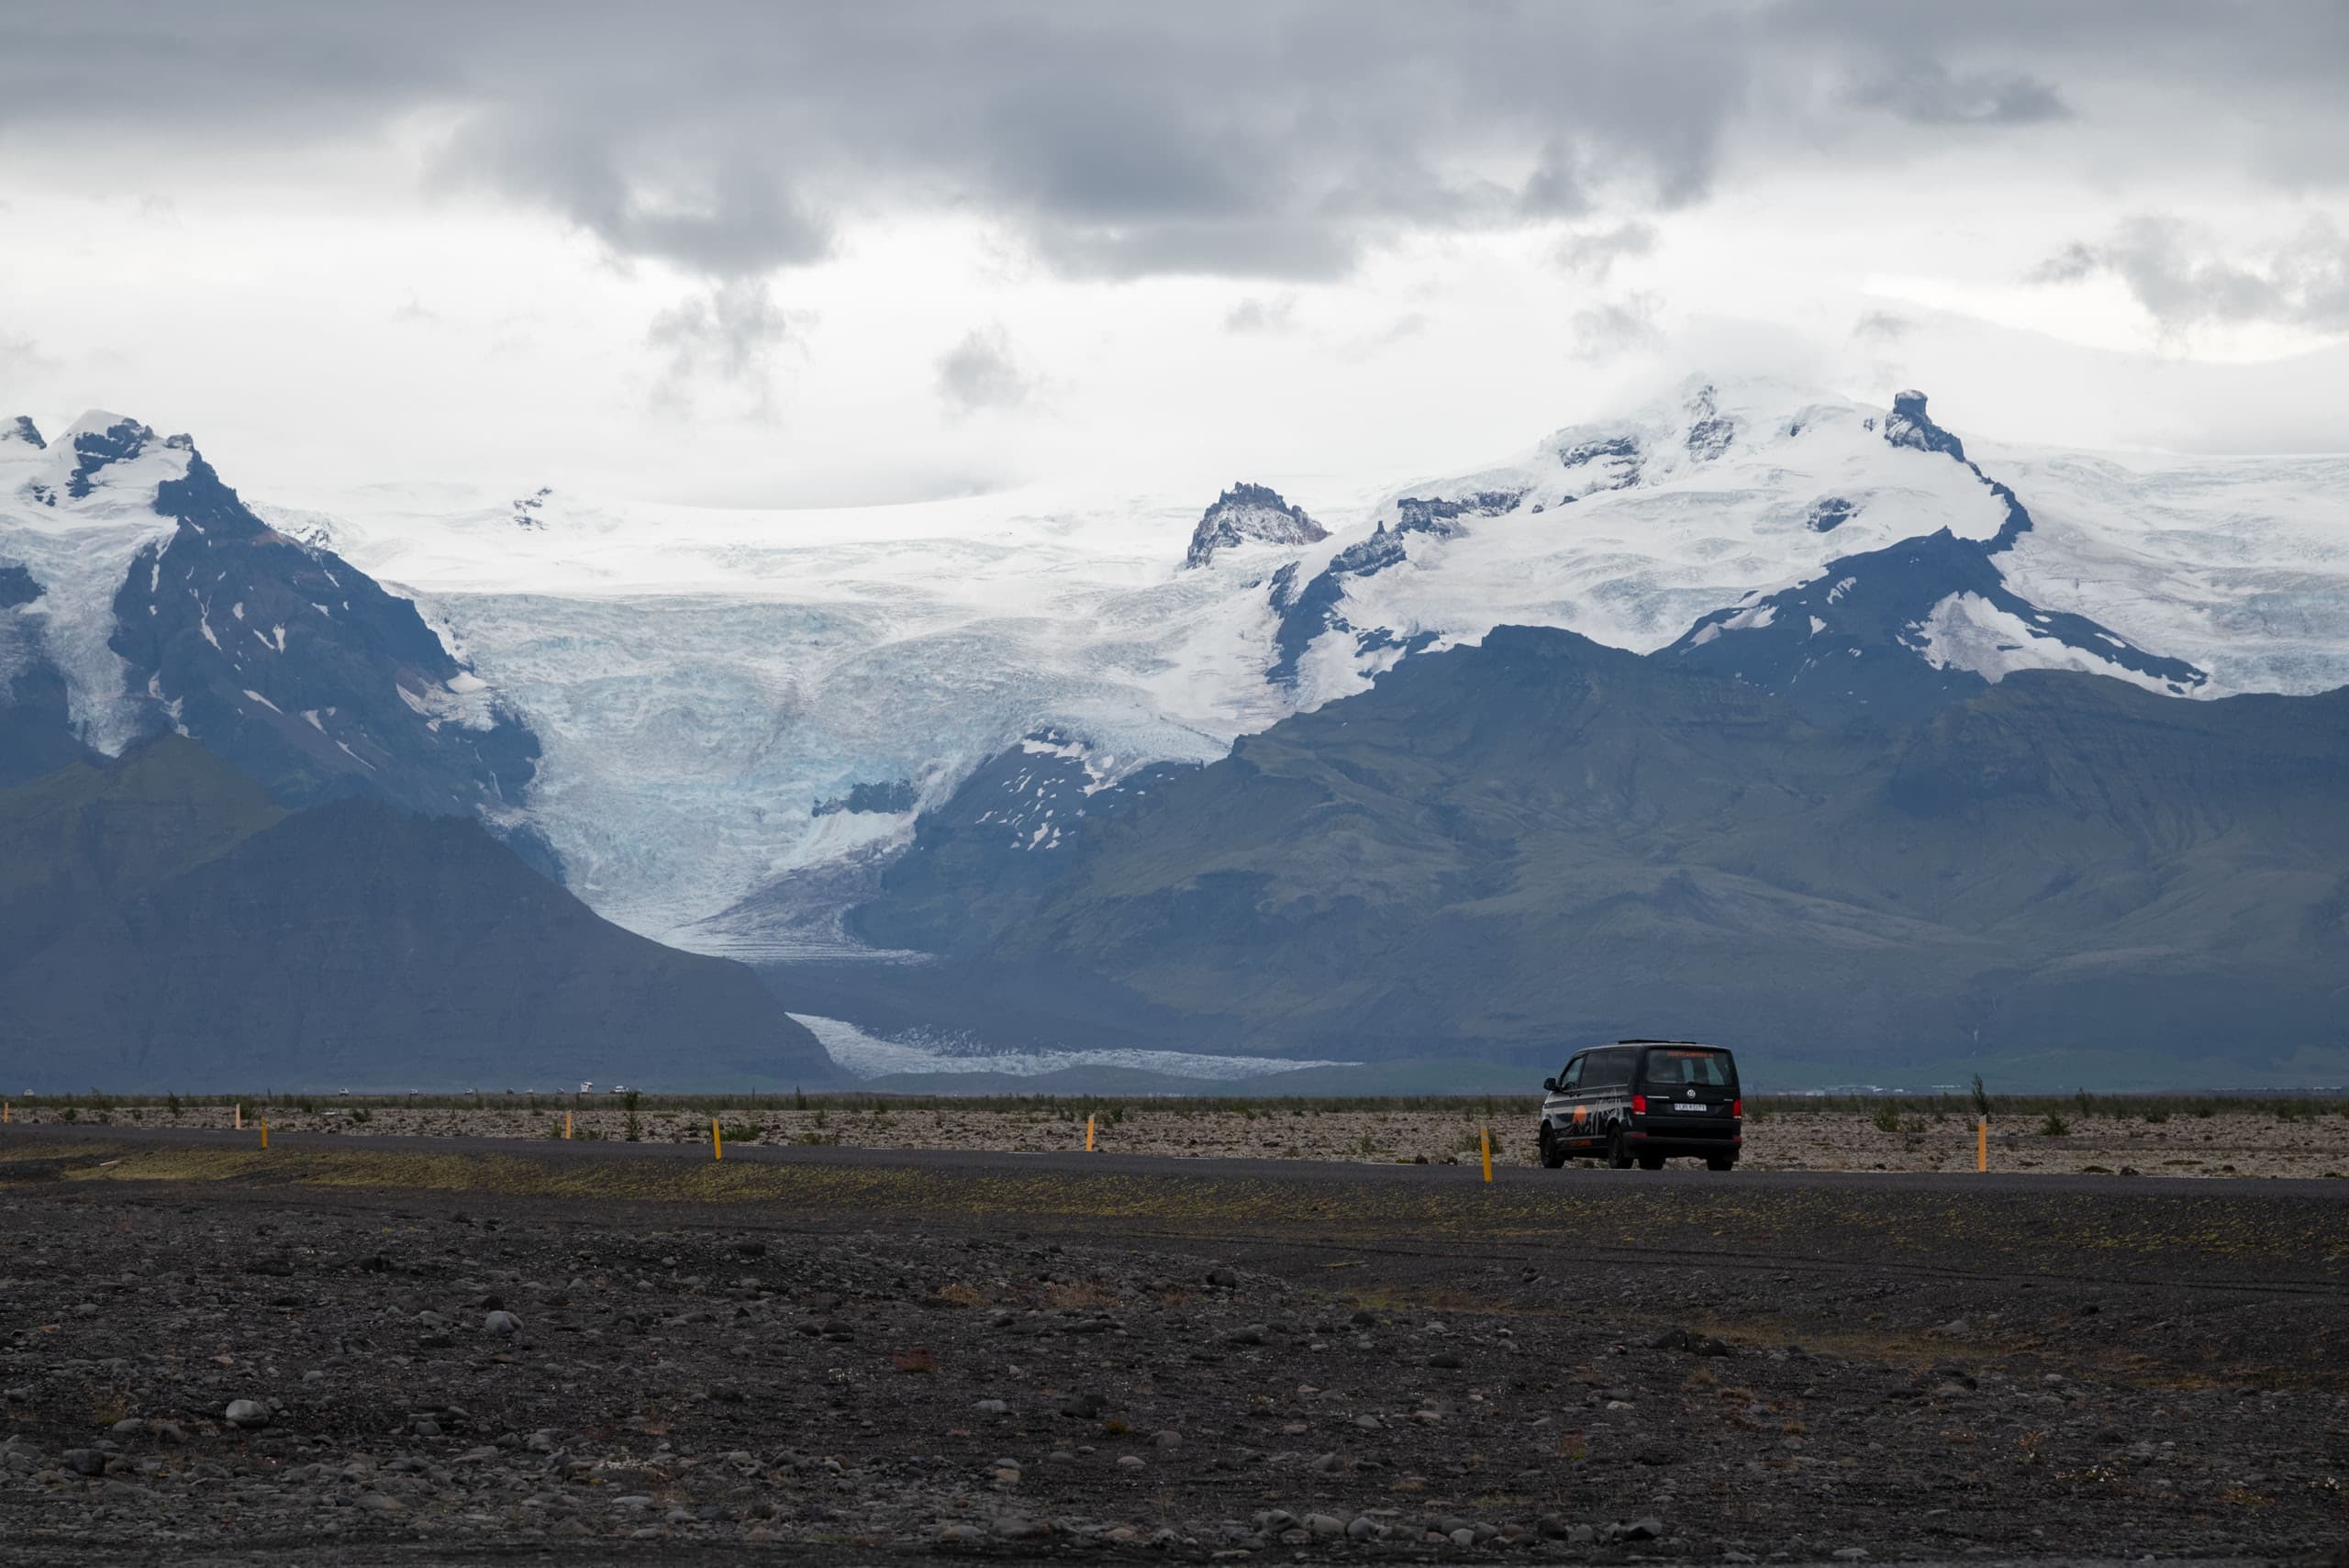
36	733
163	922
302	670
1543	839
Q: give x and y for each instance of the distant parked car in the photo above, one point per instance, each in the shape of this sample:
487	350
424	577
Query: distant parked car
1645	1101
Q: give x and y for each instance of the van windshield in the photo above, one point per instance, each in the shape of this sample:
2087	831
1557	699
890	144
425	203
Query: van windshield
1670	1067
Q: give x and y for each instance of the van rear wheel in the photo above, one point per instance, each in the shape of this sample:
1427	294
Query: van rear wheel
1651	1161
1720	1162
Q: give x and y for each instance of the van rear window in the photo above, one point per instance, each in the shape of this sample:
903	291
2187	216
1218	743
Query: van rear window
1689	1065
1606	1069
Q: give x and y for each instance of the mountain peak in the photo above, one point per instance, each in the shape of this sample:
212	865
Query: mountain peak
22	429
1910	425
99	441
1250	513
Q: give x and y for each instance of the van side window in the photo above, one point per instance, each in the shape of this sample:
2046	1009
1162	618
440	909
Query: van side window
1571	1079
1609	1069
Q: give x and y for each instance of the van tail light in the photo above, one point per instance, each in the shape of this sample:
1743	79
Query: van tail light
1638	1105
1737	1107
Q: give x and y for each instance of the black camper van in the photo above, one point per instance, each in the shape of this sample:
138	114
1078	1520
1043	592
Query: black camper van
1645	1101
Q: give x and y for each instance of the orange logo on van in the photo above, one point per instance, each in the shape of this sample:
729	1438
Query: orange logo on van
1582	1114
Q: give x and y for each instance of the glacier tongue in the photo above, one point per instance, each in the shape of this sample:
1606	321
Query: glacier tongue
871	1056
687	741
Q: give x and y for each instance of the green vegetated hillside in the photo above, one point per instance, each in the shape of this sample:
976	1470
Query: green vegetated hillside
164	923
1542	841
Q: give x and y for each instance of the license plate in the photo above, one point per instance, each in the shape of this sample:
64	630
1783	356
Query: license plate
1698	1109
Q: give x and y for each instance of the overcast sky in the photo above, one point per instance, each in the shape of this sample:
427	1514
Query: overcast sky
767	253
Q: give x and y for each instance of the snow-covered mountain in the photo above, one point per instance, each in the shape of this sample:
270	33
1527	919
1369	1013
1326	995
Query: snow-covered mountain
157	599
741	714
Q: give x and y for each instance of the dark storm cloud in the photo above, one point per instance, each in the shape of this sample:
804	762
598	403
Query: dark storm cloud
1276	138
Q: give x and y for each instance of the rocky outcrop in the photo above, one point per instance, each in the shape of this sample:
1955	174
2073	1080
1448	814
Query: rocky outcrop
1908	425
1250	514
893	798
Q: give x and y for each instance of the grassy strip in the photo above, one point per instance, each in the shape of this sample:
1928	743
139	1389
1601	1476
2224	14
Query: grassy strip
2214	1237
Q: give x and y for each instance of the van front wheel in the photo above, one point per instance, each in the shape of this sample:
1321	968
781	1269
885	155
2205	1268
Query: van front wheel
1552	1155
1618	1157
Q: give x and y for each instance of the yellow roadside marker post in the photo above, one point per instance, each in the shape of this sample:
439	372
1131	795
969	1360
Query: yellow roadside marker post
1982	1144
1088	1135
4	1113
241	1115
1486	1136
717	1140
264	1132
566	1124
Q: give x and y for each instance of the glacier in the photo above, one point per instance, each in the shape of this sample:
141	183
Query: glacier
701	681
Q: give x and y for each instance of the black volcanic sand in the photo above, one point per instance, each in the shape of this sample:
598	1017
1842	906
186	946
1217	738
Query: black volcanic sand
838	1355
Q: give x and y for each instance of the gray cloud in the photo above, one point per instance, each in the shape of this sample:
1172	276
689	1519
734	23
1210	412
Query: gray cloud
1884	326
1927	91
21	358
980	373
1615	327
1261	315
1273	138
2184	277
727	338
718	211
1592	256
